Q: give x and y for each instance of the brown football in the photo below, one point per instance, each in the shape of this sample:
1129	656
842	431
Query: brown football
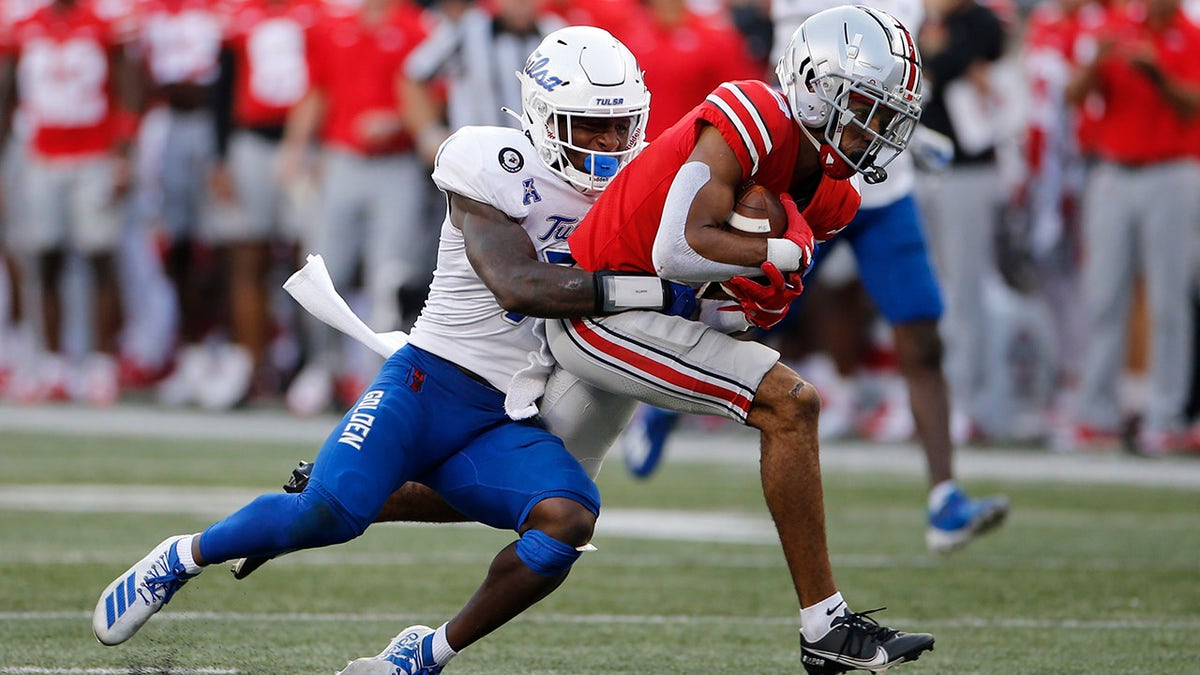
757	212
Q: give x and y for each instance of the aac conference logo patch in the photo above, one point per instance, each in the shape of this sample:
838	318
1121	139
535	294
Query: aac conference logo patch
511	160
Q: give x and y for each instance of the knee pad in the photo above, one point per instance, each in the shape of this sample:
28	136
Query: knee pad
544	554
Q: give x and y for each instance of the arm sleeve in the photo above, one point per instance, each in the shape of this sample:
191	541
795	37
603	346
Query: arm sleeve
673	257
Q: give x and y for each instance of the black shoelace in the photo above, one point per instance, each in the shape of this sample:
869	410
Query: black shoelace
862	629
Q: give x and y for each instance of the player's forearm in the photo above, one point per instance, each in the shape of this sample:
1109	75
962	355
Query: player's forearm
553	292
303	119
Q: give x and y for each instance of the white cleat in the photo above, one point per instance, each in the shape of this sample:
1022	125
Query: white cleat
402	656
132	598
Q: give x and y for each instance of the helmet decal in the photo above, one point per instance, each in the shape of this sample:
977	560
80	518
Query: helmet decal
536	69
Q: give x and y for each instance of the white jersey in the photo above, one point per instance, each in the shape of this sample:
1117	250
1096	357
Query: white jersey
461	321
787	15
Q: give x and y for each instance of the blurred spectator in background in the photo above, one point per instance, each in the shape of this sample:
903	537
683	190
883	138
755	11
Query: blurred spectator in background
610	15
372	192
16	339
265	73
179	44
473	57
1046	214
960	41
753	20
71	73
686	55
1140	212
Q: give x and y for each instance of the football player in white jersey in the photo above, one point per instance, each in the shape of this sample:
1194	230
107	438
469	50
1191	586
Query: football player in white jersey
436	412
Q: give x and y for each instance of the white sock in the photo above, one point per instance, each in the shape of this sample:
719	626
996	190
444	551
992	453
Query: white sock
183	549
940	493
442	651
815	621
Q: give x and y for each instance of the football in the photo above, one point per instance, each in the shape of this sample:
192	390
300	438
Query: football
757	212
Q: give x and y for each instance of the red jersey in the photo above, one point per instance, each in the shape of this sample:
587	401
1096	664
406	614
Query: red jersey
1138	126
611	15
64	76
268	40
684	62
618	233
357	65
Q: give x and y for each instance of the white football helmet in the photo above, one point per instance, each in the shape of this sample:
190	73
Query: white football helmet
582	71
853	53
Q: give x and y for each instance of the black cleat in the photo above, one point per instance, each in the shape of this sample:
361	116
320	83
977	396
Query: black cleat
858	642
242	567
299	479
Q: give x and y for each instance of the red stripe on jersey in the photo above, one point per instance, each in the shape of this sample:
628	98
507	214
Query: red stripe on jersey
658	369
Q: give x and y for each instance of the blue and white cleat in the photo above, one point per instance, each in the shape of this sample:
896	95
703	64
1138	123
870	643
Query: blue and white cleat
406	654
132	598
960	519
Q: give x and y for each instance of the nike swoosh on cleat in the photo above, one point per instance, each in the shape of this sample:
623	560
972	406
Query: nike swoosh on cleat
879	659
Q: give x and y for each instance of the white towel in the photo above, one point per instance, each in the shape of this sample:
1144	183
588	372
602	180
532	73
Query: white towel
529	383
313	289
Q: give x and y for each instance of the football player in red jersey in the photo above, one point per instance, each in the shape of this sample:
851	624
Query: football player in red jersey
66	61
851	96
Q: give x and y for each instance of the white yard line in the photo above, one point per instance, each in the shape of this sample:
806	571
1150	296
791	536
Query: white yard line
698	526
33	670
1166	622
727	445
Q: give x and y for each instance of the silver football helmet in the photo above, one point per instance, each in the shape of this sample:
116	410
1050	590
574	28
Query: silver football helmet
582	71
853	54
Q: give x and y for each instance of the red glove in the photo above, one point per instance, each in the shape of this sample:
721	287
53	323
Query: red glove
798	230
765	306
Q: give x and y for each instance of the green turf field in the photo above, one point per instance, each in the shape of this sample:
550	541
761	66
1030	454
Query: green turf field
1083	578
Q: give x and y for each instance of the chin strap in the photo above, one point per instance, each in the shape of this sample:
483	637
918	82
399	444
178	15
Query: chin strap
837	168
832	164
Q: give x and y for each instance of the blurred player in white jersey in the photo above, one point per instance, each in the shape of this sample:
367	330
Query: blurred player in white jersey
436	413
179	44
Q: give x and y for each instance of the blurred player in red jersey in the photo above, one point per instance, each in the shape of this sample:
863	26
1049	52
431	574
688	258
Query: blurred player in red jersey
611	15
851	91
267	72
686	54
68	69
15	335
372	192
1139	211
